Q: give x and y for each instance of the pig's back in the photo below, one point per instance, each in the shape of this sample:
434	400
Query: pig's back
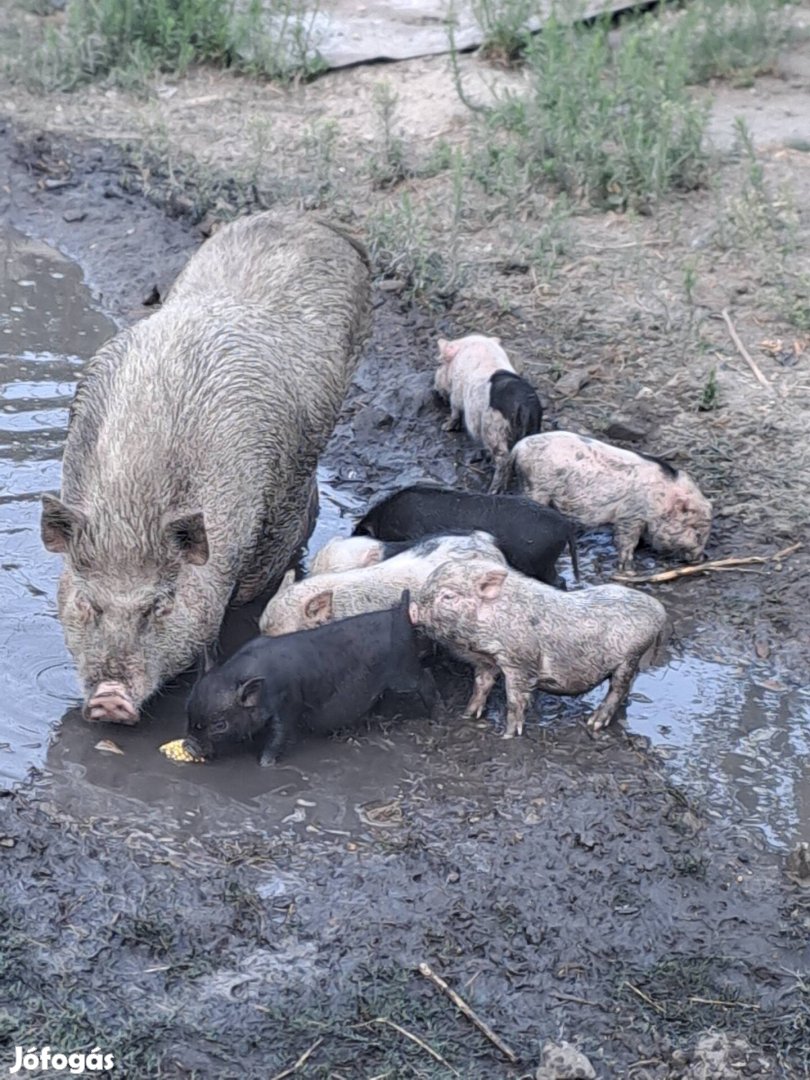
225	397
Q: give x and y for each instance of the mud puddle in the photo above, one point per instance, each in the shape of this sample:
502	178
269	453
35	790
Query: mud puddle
738	745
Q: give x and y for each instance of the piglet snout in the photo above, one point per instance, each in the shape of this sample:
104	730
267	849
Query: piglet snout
110	702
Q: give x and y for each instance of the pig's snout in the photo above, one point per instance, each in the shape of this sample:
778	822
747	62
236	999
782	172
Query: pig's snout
110	702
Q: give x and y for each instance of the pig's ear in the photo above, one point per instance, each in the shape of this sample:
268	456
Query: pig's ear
447	350
208	659
187	532
286	582
250	692
372	557
319	607
489	585
59	524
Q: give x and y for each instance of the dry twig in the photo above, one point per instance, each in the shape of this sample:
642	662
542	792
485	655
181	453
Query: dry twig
727	1004
419	1042
644	997
744	353
462	1006
700	568
301	1061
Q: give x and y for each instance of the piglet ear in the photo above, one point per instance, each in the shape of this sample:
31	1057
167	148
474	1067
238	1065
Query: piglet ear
319	608
447	350
286	582
208	658
187	532
250	692
489	585
59	524
373	556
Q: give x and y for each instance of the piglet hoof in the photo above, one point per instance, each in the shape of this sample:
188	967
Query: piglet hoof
266	760
509	734
598	721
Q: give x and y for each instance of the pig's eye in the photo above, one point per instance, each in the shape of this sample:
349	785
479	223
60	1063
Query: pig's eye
87	608
159	608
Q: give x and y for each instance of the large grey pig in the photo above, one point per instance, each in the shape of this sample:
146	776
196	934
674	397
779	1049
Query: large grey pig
188	477
497	405
598	484
539	637
322	597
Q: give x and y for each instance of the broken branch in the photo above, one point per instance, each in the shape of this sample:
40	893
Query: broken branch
744	353
462	1006
701	568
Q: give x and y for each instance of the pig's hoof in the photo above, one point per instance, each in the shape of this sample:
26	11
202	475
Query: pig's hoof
598	722
509	734
266	760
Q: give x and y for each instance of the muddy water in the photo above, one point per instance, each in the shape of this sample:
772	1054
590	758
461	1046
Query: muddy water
738	745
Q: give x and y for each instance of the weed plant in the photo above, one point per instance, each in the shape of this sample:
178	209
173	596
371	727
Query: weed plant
131	40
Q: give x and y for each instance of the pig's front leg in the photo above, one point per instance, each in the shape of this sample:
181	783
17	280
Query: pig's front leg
501	469
427	692
518	692
453	422
620	682
626	536
485	675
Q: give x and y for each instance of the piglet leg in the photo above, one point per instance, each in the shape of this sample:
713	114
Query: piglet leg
626	536
518	692
620	682
453	422
485	676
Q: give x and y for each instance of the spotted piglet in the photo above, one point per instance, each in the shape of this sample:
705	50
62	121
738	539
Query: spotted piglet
598	484
497	405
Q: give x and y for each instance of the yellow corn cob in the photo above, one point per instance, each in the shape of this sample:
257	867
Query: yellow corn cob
178	751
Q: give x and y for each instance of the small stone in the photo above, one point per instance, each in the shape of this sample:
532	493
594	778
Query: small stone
570	384
74	215
562	1061
627	429
798	864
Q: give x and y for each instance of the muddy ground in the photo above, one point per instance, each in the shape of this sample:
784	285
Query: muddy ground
567	887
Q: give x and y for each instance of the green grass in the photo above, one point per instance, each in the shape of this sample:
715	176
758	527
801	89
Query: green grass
611	125
130	41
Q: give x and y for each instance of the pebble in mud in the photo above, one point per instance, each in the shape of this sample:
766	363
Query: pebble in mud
562	1061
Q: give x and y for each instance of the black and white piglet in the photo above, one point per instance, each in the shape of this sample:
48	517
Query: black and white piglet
277	689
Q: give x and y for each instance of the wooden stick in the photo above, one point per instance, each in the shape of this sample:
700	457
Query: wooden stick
727	1004
419	1042
301	1061
644	997
700	568
462	1006
744	353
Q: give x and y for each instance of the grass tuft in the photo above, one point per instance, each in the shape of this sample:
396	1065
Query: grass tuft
129	41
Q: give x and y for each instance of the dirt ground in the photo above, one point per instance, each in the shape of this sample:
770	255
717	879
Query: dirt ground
563	885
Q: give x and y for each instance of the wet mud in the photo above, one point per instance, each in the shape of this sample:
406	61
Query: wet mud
625	891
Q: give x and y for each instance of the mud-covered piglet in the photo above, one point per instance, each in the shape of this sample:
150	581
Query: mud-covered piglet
299	605
276	689
540	638
497	405
353	553
531	537
188	476
598	484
